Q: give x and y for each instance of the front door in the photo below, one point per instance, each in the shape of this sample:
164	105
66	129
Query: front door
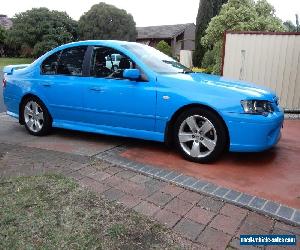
113	101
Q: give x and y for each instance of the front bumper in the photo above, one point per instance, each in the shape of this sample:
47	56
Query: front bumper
253	133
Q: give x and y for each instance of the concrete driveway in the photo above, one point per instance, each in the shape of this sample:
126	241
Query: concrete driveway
66	141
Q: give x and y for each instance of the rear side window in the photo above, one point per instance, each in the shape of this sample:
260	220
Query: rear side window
71	60
66	62
50	64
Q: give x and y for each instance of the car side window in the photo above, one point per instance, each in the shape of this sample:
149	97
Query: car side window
71	61
49	65
108	62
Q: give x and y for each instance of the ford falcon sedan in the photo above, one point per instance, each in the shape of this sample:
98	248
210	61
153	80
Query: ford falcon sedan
148	95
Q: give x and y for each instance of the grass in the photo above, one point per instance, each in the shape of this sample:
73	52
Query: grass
53	212
8	61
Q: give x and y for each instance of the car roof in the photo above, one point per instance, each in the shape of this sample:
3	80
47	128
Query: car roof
95	42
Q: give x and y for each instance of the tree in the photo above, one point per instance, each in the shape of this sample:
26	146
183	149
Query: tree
164	47
238	15
290	27
35	29
104	21
2	39
207	10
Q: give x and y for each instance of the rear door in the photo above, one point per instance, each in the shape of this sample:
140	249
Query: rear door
62	77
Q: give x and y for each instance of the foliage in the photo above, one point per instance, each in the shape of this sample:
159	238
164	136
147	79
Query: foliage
164	47
289	26
237	15
2	35
39	29
200	70
104	21
207	10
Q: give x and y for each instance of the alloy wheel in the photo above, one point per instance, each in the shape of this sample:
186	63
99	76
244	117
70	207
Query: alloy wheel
197	136
34	116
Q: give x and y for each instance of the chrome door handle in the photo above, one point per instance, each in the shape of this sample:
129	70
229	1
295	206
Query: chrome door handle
46	84
97	89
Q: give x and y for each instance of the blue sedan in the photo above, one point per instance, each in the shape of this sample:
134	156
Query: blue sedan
144	94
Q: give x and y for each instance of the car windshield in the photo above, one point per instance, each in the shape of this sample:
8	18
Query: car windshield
156	60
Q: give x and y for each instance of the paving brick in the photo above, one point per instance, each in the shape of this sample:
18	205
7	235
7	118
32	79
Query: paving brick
159	198
214	238
172	176
287	228
188	228
210	188
141	191
113	181
87	171
113	170
251	229
190	181
127	186
154	184
99	175
199	185
296	217
167	218
271	207
113	194
260	221
220	192
181	179
75	175
190	196
172	190
75	165
129	201
211	204
125	174
200	215
146	208
179	206
285	212
234	211
93	185
226	224
245	199
235	243
139	179
257	203
232	195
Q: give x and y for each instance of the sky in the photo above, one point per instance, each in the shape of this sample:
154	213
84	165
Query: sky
145	12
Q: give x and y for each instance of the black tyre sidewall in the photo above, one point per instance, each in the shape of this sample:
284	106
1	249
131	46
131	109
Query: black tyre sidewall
220	130
47	118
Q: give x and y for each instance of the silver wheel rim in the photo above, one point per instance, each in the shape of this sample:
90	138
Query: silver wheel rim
34	116
197	136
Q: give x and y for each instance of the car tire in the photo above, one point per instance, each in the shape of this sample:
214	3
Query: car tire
36	117
200	135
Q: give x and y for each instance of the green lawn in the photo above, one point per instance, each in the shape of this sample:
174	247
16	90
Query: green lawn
54	212
7	61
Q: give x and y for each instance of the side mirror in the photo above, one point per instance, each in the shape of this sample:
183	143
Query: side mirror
132	74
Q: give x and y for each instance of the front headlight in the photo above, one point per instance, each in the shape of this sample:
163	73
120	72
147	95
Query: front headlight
257	107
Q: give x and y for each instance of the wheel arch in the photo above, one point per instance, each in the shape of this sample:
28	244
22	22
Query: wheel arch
24	98
169	127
